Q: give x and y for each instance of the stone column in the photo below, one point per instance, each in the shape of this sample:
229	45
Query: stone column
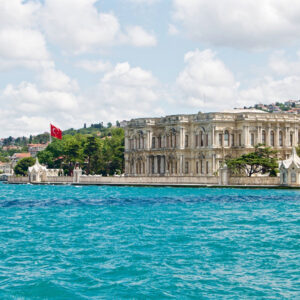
162	164
126	143
268	137
259	135
148	140
147	166
181	165
287	137
181	138
277	136
213	163
213	137
155	165
246	136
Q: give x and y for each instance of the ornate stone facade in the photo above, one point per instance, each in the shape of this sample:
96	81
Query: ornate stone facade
198	144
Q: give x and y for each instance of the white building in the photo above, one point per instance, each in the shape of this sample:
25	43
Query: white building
198	144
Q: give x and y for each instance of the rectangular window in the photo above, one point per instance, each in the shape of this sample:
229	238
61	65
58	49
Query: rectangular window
252	139
220	139
197	167
240	140
186	167
186	141
196	140
201	166
153	142
207	170
159	142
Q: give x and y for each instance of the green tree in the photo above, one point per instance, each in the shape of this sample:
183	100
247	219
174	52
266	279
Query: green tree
46	157
73	150
90	151
262	160
22	166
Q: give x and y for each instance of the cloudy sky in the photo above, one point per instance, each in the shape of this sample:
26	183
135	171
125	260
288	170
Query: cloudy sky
71	62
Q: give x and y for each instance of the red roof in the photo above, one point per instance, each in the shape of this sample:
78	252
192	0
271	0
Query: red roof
37	145
22	155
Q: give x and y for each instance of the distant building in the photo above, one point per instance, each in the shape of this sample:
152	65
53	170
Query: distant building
5	168
18	156
11	147
34	149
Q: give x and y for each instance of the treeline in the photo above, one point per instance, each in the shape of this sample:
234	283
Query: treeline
94	154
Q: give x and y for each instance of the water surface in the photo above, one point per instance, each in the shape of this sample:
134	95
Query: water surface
67	242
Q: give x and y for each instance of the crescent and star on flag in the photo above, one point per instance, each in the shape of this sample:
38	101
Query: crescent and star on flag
55	132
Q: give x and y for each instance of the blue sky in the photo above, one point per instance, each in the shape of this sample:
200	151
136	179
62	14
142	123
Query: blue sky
71	62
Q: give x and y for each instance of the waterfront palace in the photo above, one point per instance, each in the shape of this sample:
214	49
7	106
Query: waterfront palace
198	144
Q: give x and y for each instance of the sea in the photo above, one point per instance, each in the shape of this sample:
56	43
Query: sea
102	242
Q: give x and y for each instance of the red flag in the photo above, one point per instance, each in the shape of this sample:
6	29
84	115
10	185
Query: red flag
56	132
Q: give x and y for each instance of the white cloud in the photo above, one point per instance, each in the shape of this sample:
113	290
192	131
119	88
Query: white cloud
138	37
243	24
21	43
32	108
172	29
269	90
94	66
123	92
78	27
149	2
52	79
280	65
127	92
205	82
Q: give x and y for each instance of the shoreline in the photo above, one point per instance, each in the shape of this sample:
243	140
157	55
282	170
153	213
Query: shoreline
158	185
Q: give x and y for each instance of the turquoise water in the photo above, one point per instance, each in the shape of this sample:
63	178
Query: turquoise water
67	242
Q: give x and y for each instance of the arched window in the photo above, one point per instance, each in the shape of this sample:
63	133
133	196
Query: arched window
153	142
207	170
232	140
291	139
196	140
293	177
252	139
263	137
135	143
280	139
272	138
226	138
201	139
197	167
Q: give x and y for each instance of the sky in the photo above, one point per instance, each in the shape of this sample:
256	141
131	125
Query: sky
70	62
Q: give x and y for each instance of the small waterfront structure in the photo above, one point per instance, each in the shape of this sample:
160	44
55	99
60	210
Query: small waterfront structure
197	145
40	173
290	170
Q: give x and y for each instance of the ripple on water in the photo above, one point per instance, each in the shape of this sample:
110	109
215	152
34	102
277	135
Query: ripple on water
66	242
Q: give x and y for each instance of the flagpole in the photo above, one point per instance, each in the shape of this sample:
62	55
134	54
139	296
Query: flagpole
50	135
